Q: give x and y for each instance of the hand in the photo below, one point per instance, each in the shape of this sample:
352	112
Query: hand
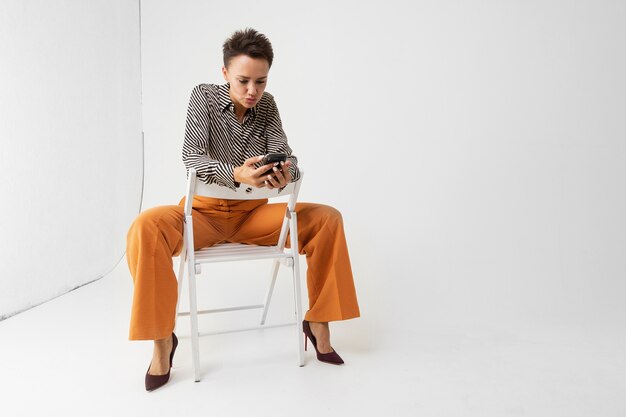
280	177
248	174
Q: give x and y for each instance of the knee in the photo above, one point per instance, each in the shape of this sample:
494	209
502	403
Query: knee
145	221
329	214
149	221
334	214
318	214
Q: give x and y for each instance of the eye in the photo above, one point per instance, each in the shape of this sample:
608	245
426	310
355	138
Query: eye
260	82
243	81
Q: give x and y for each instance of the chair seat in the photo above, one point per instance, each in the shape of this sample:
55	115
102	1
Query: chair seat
225	252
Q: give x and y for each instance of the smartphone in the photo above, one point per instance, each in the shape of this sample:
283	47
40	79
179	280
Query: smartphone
271	158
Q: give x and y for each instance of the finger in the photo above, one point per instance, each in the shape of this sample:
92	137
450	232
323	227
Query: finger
261	170
269	185
279	175
287	172
253	160
273	181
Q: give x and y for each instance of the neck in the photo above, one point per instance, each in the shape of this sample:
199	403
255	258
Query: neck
240	111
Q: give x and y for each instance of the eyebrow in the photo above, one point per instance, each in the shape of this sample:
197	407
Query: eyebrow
243	76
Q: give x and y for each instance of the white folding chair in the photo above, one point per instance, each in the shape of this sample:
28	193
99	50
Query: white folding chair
225	252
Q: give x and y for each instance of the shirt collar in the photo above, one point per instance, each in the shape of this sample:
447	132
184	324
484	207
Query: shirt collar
225	100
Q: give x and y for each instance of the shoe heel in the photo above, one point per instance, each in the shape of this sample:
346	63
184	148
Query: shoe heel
305	342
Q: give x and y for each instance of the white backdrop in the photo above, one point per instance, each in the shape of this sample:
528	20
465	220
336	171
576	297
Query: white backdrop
70	132
475	149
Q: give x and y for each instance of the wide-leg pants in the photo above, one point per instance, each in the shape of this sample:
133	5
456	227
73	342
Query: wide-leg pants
156	235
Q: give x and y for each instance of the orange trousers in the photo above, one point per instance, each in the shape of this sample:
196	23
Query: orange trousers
156	235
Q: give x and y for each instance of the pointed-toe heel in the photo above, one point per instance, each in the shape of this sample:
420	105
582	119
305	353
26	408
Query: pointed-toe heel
331	357
155	381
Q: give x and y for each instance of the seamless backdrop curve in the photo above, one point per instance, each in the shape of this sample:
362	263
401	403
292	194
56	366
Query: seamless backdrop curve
71	153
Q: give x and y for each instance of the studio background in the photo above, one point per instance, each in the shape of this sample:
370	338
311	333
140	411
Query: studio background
70	135
475	150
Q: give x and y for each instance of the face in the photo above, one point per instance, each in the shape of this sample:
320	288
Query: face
247	77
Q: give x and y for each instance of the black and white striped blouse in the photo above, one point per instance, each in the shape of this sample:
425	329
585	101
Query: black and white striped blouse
216	142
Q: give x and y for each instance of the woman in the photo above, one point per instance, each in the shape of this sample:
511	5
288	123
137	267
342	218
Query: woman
228	130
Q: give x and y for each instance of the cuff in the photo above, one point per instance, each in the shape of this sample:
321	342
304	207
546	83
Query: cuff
225	175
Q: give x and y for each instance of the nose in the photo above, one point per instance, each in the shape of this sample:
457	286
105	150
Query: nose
251	89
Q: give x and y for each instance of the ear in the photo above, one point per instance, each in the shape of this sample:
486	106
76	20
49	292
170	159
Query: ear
225	73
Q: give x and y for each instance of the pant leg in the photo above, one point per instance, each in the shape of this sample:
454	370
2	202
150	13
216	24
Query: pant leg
321	238
154	237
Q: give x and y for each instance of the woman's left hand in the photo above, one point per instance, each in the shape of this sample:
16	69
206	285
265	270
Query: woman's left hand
280	177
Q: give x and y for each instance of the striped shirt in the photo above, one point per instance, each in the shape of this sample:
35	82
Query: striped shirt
215	141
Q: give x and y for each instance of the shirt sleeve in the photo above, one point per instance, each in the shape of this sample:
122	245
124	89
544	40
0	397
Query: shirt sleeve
277	139
197	142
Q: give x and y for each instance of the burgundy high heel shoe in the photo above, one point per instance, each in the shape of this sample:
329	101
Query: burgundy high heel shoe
155	381
331	357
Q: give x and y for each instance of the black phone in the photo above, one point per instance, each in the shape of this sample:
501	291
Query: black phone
271	158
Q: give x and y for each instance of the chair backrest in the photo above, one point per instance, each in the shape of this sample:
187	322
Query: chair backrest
195	186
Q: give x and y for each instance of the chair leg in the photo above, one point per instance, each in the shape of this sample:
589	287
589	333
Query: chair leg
193	315
296	287
181	271
193	307
270	290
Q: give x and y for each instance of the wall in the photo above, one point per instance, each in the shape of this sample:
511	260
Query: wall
475	148
70	130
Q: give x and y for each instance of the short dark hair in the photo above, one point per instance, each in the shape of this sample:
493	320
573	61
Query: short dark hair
248	42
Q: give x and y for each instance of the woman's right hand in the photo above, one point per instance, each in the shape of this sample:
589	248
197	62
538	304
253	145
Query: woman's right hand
248	174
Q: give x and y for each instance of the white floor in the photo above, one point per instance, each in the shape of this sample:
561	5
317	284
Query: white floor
71	357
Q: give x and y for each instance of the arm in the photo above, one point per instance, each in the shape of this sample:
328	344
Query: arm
196	144
277	139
